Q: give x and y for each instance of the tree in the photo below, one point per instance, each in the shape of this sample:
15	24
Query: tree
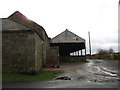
102	51
105	54
111	50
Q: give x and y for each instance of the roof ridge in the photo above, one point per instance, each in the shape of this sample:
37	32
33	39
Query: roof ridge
22	19
68	31
67	36
58	34
17	12
75	34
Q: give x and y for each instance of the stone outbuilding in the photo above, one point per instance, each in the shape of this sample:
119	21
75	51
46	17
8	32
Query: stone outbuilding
20	18
24	45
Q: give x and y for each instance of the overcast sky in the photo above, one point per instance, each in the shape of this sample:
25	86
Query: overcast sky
100	17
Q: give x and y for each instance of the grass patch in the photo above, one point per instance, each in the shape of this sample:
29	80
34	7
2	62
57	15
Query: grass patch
22	77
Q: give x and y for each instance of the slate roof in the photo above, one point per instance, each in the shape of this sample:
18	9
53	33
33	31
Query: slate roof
20	18
67	37
10	25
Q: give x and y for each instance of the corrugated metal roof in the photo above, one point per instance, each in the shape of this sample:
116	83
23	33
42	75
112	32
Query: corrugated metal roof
9	25
67	37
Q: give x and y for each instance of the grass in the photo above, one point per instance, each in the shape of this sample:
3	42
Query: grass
22	77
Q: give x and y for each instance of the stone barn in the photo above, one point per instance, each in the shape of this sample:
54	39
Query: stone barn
20	18
24	45
70	45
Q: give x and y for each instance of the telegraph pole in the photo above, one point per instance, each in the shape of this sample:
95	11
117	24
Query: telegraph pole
89	44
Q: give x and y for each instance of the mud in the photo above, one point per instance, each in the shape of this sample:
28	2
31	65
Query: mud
94	71
93	74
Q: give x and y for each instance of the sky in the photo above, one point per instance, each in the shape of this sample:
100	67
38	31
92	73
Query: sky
100	17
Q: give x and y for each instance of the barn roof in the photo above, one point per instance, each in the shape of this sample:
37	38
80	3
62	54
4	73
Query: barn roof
68	42
20	18
67	37
10	25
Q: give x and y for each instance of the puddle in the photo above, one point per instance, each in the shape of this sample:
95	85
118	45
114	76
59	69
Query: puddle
90	63
63	78
98	61
110	74
100	70
99	74
110	71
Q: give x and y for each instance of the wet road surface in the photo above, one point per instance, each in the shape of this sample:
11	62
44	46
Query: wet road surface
93	74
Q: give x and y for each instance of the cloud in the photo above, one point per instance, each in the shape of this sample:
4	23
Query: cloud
79	16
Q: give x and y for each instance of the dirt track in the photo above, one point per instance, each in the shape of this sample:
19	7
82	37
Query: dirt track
94	70
94	74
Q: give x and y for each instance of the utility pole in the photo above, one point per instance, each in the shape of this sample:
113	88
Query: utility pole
89	44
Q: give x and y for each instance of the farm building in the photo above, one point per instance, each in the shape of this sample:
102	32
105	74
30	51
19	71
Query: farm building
69	43
24	45
20	18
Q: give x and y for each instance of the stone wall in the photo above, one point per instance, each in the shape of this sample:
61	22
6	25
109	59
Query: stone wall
52	58
46	46
38	52
18	52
